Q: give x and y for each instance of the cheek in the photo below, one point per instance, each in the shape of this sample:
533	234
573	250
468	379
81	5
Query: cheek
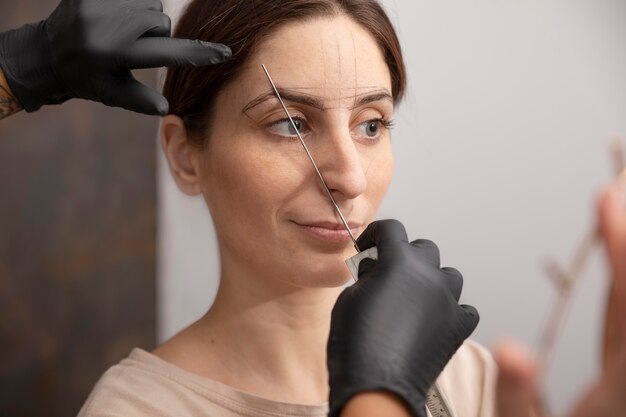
246	184
379	173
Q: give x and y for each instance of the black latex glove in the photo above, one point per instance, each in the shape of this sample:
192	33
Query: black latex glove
86	49
399	325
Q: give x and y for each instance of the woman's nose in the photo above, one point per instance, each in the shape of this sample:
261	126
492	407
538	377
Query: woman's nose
341	165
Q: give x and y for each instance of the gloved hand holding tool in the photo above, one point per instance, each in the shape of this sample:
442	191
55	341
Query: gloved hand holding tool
396	328
87	49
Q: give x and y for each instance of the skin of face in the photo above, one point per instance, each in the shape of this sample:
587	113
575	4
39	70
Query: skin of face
262	191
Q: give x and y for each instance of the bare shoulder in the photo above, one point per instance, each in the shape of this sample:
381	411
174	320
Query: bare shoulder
469	381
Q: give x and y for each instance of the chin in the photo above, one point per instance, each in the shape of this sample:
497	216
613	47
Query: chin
322	275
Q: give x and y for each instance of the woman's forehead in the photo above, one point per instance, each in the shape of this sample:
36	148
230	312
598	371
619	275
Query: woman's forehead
330	57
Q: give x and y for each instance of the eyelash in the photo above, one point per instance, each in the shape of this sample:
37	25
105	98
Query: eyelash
387	124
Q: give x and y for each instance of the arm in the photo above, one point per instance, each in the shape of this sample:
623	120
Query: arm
8	102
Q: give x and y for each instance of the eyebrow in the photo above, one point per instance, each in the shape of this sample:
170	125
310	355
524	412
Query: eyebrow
290	95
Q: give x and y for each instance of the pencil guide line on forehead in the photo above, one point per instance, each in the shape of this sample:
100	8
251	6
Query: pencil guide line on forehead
363	87
291	95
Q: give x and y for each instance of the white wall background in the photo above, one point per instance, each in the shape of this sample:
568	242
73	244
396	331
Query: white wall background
501	147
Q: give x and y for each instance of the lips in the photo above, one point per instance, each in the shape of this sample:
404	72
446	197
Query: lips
329	231
331	225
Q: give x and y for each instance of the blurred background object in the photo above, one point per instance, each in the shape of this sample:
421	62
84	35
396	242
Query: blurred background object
77	244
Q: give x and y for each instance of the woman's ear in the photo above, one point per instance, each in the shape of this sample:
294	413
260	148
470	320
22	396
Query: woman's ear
183	157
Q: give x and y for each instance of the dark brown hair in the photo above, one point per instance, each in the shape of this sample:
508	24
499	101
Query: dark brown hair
243	25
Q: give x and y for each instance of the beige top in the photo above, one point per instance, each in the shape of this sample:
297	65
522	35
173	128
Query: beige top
144	385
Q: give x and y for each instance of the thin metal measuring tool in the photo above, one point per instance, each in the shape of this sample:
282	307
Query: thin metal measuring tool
435	400
566	280
353	262
306	149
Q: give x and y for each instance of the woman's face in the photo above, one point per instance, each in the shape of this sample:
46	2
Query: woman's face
271	213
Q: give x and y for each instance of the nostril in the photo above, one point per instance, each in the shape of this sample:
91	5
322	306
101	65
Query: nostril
346	181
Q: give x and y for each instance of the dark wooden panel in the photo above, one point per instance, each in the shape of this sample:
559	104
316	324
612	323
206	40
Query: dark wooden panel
77	244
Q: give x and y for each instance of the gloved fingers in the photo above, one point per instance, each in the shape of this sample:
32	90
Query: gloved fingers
380	233
130	94
365	265
454	279
338	313
162	31
429	250
170	52
470	319
158	32
151	24
153	5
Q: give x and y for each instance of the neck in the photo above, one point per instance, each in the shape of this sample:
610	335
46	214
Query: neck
266	337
